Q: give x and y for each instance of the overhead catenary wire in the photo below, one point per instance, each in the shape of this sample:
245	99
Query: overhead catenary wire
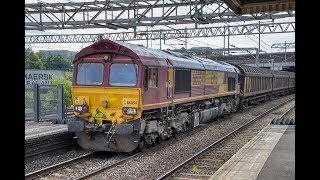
267	48
240	24
207	6
245	34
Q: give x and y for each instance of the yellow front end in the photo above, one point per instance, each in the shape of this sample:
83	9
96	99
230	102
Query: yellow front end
108	103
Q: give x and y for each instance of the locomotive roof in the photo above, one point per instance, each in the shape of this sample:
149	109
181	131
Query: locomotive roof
154	57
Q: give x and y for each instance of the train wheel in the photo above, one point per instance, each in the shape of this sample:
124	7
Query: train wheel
184	127
242	107
159	140
174	133
141	146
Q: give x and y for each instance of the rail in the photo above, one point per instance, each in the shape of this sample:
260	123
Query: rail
55	167
173	170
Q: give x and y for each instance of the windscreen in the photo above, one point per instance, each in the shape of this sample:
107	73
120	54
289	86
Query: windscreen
122	74
89	73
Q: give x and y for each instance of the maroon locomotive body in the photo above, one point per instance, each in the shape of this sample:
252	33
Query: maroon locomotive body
126	96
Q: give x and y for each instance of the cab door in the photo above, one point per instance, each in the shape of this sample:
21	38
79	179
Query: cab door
170	81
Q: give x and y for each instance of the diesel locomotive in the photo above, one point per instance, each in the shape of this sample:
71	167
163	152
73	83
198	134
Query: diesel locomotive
127	96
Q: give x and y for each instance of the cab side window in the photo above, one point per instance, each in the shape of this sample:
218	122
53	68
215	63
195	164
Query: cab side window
153	78
231	84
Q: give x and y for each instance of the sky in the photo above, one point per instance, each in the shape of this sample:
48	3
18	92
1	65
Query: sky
240	41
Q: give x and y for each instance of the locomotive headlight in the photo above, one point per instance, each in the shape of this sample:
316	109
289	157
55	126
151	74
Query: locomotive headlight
79	108
129	110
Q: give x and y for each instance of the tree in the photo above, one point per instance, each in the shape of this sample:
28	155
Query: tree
68	75
57	62
32	60
42	61
66	89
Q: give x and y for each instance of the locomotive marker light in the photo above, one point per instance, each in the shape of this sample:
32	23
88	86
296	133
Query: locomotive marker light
84	108
107	58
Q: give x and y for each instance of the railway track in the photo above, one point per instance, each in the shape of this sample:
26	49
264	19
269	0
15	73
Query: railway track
202	164
90	166
56	167
154	148
74	166
48	143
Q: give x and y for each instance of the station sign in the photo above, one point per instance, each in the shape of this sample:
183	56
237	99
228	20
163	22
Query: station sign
43	77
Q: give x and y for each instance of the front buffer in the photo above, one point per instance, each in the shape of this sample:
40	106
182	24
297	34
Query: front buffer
118	138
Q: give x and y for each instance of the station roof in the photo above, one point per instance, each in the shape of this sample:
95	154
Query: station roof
260	6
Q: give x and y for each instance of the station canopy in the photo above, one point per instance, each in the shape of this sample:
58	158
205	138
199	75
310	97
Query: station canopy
260	6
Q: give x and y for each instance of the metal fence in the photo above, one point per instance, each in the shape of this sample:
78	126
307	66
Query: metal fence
28	103
45	103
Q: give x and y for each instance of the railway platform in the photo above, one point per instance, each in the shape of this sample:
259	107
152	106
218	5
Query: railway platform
269	155
40	129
